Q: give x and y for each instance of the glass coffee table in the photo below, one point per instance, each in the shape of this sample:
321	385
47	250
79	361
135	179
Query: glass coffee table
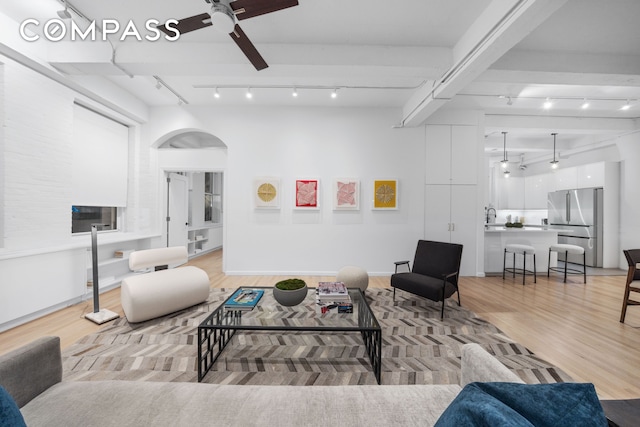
217	330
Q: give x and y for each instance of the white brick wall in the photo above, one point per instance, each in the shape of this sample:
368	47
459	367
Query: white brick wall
37	155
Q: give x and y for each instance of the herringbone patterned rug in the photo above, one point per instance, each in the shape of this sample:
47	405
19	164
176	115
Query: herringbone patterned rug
417	348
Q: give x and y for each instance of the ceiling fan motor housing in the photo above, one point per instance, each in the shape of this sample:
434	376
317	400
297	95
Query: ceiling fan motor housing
222	17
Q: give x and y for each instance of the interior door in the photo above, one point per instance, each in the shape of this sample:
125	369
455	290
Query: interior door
437	215
178	210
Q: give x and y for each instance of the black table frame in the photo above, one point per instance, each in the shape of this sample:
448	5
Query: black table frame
217	330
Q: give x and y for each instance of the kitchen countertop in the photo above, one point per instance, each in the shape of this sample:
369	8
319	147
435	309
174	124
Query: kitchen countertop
502	229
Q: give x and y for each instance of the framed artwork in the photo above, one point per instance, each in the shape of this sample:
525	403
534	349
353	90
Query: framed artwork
385	194
307	194
346	194
266	193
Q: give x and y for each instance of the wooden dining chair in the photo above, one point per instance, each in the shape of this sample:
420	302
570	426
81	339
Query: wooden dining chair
633	275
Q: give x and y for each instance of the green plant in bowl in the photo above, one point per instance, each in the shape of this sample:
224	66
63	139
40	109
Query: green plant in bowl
291	284
290	291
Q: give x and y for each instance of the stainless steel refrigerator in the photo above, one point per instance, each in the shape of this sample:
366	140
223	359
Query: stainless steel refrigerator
577	215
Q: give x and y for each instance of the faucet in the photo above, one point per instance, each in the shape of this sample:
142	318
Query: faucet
489	214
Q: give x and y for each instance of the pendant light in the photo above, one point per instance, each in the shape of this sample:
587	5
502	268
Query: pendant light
554	162
504	163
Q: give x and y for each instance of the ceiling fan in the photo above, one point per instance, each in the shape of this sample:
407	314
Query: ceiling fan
224	15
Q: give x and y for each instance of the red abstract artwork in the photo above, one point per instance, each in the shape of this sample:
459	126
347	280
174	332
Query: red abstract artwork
306	193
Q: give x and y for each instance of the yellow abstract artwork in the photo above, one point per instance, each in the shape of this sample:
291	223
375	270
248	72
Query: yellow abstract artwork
385	194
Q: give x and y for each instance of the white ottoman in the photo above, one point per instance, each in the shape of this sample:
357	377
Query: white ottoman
161	292
353	277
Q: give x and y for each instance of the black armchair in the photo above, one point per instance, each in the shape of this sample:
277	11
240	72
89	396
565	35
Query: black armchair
435	272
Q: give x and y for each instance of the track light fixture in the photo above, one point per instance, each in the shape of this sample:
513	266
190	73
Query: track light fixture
161	83
554	162
249	95
64	14
626	106
216	94
547	104
585	104
295	93
334	94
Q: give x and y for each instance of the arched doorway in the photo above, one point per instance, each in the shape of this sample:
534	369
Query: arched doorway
193	164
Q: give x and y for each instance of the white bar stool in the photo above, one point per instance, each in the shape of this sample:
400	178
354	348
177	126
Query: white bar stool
568	250
523	250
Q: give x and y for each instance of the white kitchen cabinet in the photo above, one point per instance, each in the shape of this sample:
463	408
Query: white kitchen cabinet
450	216
565	179
591	175
451	154
536	189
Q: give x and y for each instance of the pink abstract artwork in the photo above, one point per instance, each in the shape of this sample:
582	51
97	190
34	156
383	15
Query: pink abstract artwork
306	193
346	194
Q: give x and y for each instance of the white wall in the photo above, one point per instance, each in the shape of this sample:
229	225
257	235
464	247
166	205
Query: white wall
37	165
312	142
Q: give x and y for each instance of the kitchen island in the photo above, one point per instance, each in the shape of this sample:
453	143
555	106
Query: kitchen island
496	237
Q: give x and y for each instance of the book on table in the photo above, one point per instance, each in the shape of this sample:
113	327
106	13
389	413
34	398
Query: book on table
332	291
244	299
324	307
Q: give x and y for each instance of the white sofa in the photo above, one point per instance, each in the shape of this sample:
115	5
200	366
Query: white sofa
165	290
33	377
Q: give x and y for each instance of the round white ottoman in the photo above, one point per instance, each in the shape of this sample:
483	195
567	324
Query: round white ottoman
353	277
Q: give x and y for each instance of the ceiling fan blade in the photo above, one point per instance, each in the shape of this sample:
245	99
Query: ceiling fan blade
249	8
189	24
248	48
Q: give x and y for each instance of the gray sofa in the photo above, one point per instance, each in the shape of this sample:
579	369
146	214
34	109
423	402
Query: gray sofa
33	377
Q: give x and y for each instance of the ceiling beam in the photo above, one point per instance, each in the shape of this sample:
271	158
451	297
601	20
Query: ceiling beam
501	26
200	59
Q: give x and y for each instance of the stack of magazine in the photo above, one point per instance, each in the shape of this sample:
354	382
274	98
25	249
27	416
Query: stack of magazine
332	297
244	299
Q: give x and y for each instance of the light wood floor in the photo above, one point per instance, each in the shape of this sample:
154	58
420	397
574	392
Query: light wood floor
573	326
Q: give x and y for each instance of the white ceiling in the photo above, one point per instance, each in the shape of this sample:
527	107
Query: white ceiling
388	54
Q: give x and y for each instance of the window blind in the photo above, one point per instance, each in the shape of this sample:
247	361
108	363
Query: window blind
100	160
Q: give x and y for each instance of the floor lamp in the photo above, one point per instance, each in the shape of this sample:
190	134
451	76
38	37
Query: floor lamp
98	316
